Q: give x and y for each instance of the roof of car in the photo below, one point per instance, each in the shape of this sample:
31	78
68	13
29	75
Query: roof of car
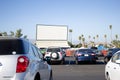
54	47
8	37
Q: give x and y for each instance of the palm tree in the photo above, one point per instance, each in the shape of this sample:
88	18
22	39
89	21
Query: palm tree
12	33
4	34
82	35
110	27
116	36
105	36
97	36
70	31
89	38
94	39
80	38
0	34
83	40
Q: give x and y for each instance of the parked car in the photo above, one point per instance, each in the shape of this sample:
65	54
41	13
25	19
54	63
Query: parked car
98	52
83	55
55	54
112	68
110	53
21	60
64	49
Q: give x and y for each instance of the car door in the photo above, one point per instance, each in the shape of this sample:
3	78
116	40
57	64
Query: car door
115	67
44	71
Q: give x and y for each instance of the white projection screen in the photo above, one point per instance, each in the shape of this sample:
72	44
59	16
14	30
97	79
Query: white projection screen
51	32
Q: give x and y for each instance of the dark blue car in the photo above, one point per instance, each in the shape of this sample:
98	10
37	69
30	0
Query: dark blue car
110	53
85	55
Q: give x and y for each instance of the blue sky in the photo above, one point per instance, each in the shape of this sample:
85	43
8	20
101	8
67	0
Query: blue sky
87	17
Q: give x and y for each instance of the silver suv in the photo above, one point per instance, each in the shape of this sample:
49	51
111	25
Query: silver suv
21	60
55	54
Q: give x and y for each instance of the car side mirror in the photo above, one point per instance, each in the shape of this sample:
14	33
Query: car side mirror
118	61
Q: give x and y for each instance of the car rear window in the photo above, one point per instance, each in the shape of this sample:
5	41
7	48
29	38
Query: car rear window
86	50
9	47
53	50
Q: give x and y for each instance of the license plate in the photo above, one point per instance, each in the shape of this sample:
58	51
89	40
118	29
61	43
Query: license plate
86	55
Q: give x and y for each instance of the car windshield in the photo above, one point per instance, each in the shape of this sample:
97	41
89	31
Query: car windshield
8	47
115	50
53	50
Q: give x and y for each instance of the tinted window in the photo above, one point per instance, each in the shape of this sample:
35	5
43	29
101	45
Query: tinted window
9	47
86	50
115	50
53	50
115	57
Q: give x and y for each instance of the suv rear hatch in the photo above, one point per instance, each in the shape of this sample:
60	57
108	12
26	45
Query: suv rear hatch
10	49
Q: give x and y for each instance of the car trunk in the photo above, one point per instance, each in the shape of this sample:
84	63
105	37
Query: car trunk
8	66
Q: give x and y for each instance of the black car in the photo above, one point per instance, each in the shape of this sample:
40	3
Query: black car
111	51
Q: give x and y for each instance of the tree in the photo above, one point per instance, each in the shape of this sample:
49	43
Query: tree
4	34
12	33
94	39
105	36
70	44
82	35
0	34
25	37
89	37
80	38
70	31
19	33
110	27
97	36
116	36
116	43
83	40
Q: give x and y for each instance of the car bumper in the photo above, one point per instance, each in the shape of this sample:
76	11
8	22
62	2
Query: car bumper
86	59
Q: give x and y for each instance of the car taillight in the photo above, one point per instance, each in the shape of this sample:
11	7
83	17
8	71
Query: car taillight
79	54
93	54
61	53
22	64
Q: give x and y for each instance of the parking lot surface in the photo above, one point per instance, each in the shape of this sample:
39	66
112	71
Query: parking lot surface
84	71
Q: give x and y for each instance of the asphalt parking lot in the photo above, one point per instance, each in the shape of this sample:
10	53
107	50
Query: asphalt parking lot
84	71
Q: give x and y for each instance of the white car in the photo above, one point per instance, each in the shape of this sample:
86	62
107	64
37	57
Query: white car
55	54
112	68
21	60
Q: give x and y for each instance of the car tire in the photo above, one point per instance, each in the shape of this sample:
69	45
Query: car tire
63	61
94	62
76	62
108	77
37	77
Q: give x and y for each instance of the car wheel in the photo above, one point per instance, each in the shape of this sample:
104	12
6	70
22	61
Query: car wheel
94	62
63	61
106	60
76	62
37	77
108	77
54	55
